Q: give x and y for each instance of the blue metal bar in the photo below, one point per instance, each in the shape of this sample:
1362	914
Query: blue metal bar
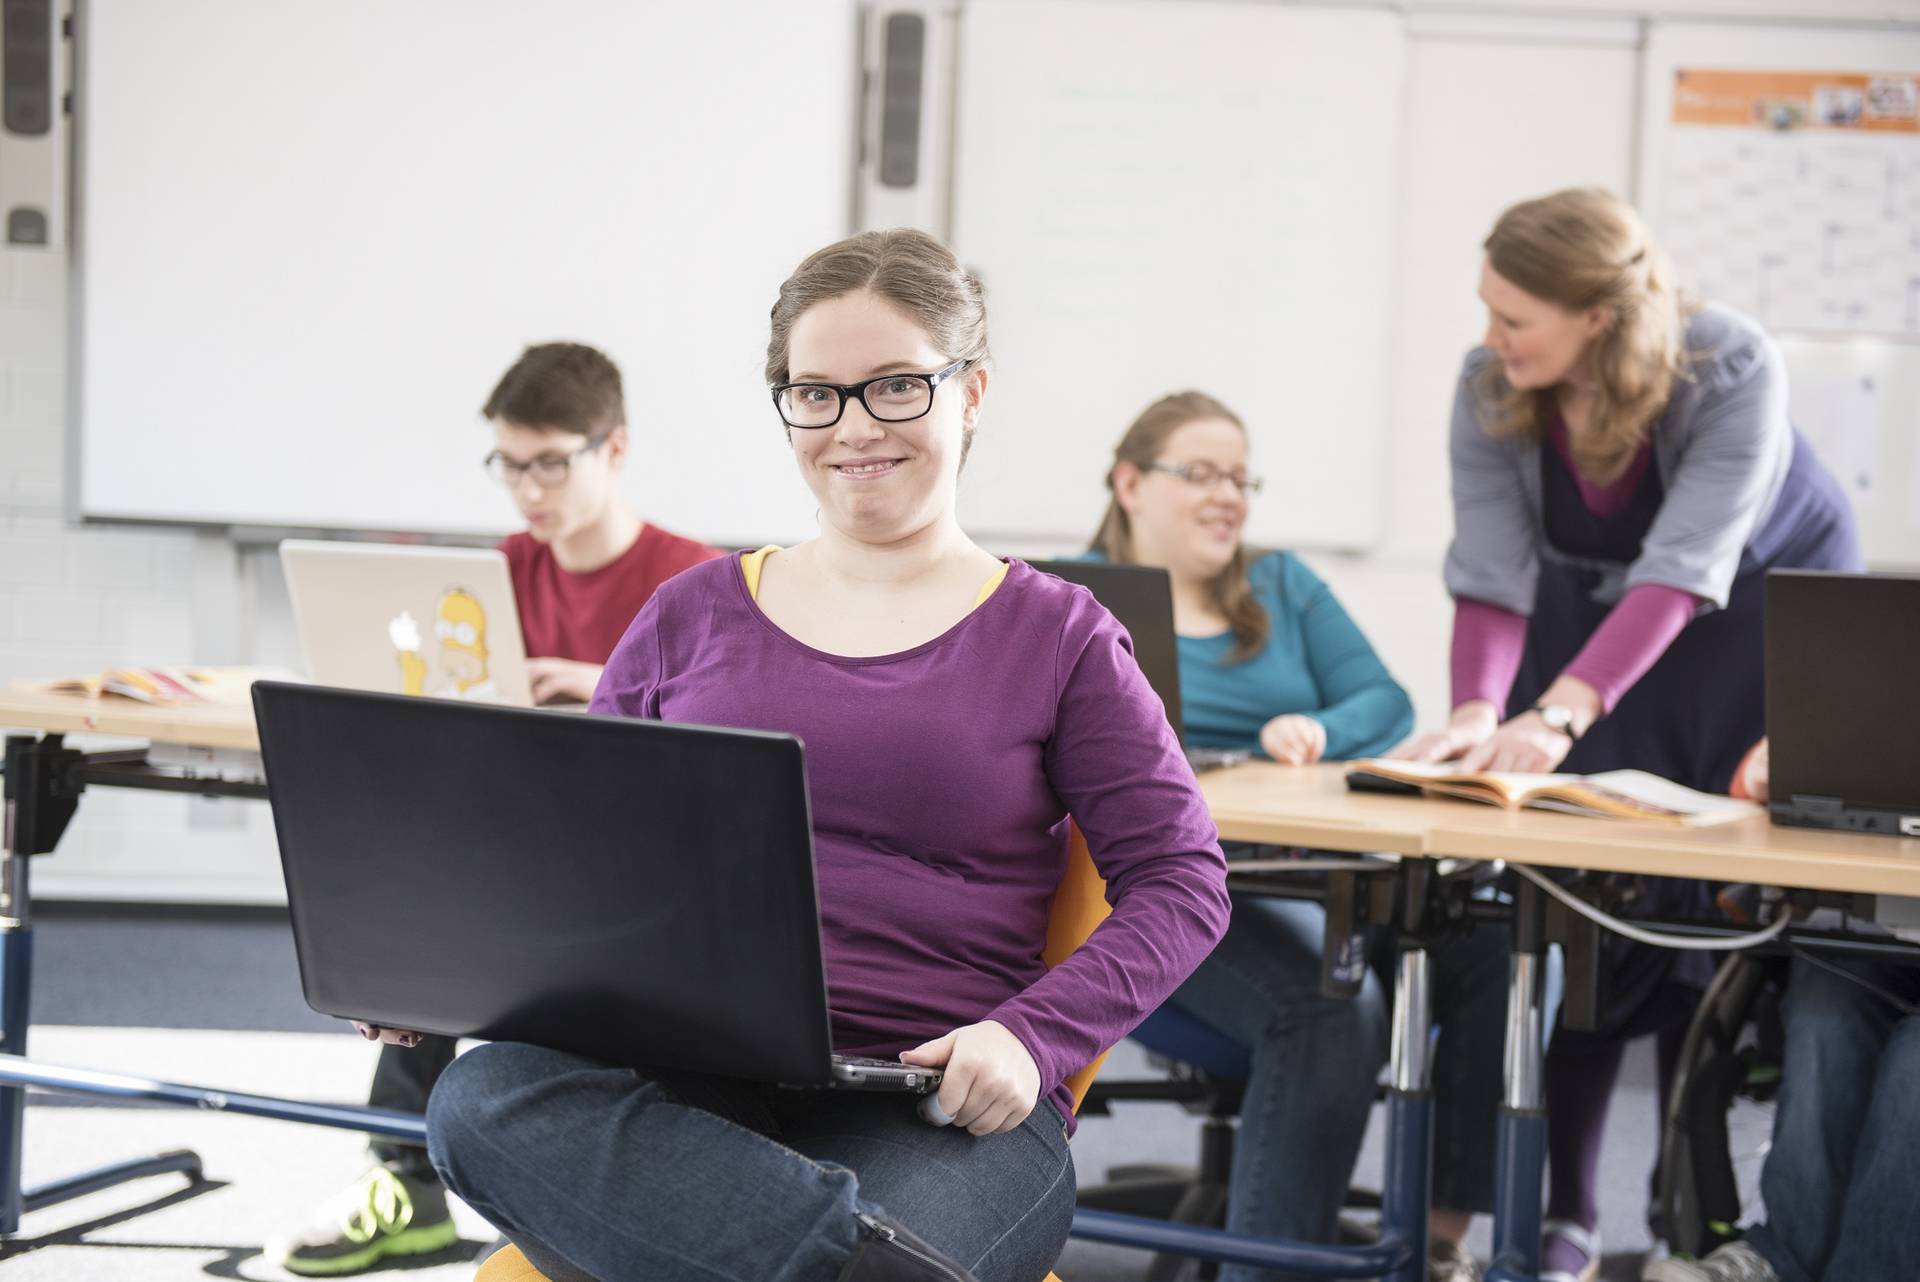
1378	1260
184	1161
386	1122
1521	1139
1406	1183
16	972
1516	1207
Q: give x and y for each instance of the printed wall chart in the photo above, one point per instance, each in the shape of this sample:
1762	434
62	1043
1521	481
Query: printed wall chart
1795	197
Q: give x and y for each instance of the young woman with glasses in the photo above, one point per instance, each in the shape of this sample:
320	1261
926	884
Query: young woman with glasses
957	709
1270	662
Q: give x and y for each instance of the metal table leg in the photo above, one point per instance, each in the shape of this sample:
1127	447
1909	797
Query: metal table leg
39	804
1521	1150
1406	1192
16	973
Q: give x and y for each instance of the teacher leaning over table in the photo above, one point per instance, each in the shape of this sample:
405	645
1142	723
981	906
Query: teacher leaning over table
1624	474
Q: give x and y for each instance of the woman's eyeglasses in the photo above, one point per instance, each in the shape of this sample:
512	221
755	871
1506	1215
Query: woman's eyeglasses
1204	476
890	398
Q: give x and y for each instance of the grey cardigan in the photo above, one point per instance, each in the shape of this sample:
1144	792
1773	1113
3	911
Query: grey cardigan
1722	446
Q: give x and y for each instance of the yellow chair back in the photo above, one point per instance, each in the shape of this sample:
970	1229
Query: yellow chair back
1078	906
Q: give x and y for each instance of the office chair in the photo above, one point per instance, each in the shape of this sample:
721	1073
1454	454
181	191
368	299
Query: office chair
1079	905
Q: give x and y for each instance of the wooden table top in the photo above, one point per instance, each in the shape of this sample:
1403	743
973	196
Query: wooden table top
1263	802
199	725
1277	805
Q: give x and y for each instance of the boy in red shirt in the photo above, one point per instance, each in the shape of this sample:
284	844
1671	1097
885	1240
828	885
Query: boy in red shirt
581	570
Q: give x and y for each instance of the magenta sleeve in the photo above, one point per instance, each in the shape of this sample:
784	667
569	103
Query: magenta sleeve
1631	638
1487	644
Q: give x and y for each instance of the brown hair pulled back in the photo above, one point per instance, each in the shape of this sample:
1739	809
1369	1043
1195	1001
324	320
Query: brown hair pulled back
910	269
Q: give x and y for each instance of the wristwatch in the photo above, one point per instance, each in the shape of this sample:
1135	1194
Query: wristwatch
1557	716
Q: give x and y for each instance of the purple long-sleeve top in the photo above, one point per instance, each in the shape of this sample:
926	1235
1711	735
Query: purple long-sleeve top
1488	641
941	779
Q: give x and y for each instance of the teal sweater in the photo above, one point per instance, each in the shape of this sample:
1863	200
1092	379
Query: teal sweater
1316	661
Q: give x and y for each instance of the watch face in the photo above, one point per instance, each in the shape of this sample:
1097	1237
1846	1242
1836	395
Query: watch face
1556	717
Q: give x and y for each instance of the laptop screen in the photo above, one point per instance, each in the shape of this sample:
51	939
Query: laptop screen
1843	687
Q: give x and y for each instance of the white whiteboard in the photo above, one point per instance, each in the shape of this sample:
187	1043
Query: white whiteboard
312	236
1167	196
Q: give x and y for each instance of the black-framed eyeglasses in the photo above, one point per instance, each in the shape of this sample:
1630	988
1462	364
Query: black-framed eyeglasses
890	398
1204	476
547	470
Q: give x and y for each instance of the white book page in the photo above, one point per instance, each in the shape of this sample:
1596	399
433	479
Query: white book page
1652	790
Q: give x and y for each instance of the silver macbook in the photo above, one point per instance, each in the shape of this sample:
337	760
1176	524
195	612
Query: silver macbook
408	620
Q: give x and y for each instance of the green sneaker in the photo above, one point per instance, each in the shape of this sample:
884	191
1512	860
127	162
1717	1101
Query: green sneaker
383	1213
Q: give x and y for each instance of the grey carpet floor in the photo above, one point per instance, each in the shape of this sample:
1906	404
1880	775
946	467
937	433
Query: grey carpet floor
214	998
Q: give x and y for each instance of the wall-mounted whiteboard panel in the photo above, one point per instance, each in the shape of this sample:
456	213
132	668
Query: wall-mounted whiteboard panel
1168	196
313	235
1781	168
1467	156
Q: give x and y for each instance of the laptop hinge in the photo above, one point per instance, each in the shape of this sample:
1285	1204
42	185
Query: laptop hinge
1817	807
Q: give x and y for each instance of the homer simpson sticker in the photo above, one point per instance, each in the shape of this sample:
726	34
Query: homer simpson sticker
460	626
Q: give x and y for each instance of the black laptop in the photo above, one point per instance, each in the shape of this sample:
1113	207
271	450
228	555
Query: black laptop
1843	700
1141	598
635	891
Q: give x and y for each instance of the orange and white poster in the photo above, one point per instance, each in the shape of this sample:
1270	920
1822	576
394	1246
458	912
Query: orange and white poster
1795	196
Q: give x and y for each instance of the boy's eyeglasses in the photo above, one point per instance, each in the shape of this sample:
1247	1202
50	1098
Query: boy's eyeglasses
890	398
548	470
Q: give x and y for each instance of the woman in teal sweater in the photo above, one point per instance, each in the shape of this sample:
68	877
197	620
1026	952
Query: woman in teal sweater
1314	690
1269	661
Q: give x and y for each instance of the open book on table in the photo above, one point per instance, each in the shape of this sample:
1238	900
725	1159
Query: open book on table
1615	794
168	687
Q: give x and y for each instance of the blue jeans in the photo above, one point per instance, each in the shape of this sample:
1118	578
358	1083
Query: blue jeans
1316	1059
1314	1063
1842	1181
597	1172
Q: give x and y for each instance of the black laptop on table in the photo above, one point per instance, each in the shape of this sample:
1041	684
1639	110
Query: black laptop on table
1141	598
1843	700
635	891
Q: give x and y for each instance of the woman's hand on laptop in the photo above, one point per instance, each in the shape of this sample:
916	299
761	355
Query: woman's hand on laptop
391	1036
562	680
990	1082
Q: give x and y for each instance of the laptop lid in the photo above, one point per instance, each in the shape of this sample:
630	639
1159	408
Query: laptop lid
408	620
1141	598
1843	698
631	890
